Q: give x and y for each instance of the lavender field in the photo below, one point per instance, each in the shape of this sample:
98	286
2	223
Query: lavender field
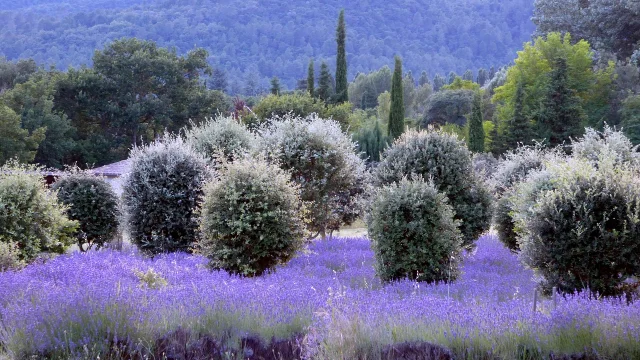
327	303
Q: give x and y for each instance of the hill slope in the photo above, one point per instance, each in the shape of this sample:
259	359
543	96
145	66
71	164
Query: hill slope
272	37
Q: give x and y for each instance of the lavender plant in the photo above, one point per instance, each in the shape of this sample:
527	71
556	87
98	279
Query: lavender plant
161	195
413	233
252	218
322	159
91	202
444	159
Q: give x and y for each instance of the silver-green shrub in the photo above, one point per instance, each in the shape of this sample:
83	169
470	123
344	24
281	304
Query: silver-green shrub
413	232
445	160
10	256
161	195
608	143
251	218
90	201
222	136
514	168
30	215
584	234
322	159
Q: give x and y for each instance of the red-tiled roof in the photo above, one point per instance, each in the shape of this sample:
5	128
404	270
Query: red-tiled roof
116	169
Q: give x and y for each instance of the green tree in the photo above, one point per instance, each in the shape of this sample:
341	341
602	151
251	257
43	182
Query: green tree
16	142
518	129
630	114
33	101
482	77
560	116
324	83
424	79
461	84
476	131
275	86
452	77
396	115
342	85
468	75
311	79
438	82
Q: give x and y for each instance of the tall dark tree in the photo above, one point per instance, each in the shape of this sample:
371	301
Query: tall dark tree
311	79
482	77
275	85
468	75
424	79
396	114
476	131
218	80
342	84
324	83
492	73
518	130
438	82
560	117
452	77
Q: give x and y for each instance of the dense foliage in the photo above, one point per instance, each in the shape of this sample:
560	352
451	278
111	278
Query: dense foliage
444	159
413	233
91	202
321	158
221	139
444	34
251	218
161	195
30	215
583	234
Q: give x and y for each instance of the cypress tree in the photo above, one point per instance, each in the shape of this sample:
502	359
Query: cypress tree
341	63
452	77
492	73
424	79
311	79
438	82
476	131
275	86
482	77
324	83
396	115
560	116
518	130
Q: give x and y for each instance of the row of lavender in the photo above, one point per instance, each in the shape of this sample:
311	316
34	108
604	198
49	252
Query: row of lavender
329	299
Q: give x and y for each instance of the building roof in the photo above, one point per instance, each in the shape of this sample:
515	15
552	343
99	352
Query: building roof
116	169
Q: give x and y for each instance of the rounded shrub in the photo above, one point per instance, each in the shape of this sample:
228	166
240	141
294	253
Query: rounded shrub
609	143
221	139
322	159
513	169
30	215
413	232
297	105
90	201
445	160
251	218
584	234
161	195
10	256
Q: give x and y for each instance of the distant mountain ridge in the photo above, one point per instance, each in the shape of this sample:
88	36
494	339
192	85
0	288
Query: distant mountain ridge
260	39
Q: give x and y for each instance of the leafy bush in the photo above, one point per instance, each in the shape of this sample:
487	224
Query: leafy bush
484	165
515	167
252	218
584	233
445	159
595	144
93	204
413	232
10	256
30	214
161	195
297	105
323	160
222	136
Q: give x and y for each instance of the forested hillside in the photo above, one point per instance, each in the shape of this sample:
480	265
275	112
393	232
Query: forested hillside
260	39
